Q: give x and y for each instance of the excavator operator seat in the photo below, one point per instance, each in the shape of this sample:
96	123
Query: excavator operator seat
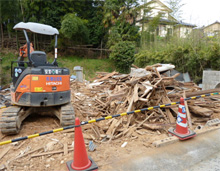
39	58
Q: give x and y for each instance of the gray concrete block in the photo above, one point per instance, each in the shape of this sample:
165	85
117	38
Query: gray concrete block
211	80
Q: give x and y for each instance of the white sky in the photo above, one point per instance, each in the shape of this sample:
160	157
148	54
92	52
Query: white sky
200	12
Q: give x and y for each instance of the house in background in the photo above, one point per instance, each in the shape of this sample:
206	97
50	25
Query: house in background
168	25
212	29
182	29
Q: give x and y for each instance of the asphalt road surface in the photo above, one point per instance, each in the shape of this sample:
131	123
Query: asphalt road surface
201	153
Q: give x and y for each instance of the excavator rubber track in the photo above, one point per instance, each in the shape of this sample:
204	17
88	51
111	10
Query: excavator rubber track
67	115
9	121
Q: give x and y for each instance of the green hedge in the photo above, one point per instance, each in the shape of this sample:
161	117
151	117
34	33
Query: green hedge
188	55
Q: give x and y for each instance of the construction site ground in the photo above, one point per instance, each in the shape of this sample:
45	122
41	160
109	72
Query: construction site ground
115	139
105	154
20	155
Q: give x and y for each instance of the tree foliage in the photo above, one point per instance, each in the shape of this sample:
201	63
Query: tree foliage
74	28
188	55
176	6
120	20
123	55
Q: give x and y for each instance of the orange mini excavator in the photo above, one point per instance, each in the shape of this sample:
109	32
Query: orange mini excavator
37	85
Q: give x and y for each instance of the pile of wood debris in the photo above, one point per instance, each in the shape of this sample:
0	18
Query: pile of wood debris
114	93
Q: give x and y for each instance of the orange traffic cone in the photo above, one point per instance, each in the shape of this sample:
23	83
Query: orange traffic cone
182	131
80	159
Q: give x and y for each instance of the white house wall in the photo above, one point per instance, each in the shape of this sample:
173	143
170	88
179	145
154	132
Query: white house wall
163	30
184	31
155	11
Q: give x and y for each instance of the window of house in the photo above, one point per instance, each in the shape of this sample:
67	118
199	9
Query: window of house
169	31
163	14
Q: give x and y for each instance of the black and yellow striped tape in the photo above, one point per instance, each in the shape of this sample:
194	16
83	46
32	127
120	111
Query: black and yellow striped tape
2	107
100	119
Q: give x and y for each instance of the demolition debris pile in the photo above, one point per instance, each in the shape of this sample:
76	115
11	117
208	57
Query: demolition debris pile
114	93
110	94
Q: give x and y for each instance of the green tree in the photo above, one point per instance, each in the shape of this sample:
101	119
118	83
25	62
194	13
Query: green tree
9	13
176	6
123	55
120	20
95	25
74	28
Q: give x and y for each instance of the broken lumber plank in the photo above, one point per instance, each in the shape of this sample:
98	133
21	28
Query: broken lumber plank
175	75
107	76
202	92
201	111
112	126
96	131
166	100
135	66
65	149
40	148
4	152
148	87
152	126
19	146
116	127
50	153
135	95
188	114
141	123
116	96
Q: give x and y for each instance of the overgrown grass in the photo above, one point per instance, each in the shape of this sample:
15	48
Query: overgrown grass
7	58
90	66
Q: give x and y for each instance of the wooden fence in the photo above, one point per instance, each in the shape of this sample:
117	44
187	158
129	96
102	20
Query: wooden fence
43	43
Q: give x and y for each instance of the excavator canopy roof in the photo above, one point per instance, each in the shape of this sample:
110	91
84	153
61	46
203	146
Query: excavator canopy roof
36	28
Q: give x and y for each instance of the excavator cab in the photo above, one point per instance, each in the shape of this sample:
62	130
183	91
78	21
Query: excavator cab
37	85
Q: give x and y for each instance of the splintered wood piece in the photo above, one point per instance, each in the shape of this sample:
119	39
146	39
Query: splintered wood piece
50	153
107	76
4	152
148	87
118	96
112	126
40	148
202	92
65	149
97	133
135	95
131	130
135	66
201	111
188	114
143	99
166	100
100	102
145	119
152	126
130	120
116	127
175	75
131	101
